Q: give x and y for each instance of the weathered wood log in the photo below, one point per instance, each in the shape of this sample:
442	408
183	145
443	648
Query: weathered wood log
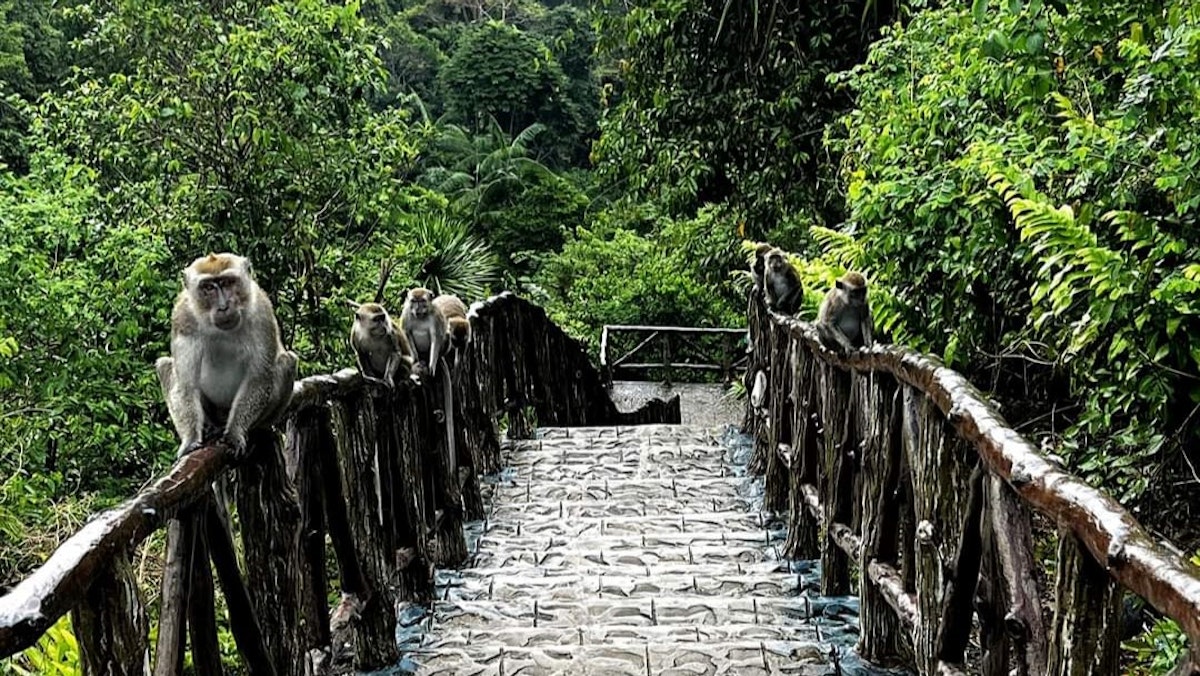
883	638
53	589
307	433
269	520
243	620
1013	543
448	546
954	627
1087	606
803	539
405	431
111	624
780	409
172	616
201	603
374	631
990	603
840	442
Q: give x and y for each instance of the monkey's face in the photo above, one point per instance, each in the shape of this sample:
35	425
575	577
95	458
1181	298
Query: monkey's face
419	305
222	298
374	322
776	262
856	294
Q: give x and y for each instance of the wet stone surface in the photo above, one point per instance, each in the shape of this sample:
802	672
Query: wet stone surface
632	550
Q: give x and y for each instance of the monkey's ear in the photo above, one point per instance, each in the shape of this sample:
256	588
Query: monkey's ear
840	284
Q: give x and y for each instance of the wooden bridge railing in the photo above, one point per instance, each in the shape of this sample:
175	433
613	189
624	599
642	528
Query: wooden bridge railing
669	349
376	471
887	461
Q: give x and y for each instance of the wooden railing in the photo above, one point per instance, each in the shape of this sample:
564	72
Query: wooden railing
888	461
668	349
376	471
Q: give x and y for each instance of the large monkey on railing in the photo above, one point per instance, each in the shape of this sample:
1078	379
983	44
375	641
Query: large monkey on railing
228	370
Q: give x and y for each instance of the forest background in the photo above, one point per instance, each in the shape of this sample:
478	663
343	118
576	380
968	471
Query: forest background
1018	179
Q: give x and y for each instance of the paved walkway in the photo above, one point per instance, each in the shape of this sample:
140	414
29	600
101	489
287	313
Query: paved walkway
633	550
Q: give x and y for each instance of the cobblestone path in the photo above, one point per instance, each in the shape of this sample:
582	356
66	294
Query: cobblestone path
633	550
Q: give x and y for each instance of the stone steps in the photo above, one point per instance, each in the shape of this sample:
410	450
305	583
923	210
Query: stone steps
638	550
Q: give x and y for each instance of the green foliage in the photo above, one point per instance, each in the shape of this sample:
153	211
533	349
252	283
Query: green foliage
412	61
723	101
446	257
1158	649
499	72
621	277
56	654
1090	107
85	305
264	144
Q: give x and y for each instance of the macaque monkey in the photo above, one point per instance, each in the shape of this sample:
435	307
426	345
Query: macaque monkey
759	268
455	312
382	348
844	320
781	284
425	327
379	343
228	371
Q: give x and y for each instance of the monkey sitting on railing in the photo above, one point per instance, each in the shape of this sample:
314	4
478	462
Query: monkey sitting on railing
228	370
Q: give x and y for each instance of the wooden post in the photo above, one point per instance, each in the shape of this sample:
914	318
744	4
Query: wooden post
307	432
172	623
1087	610
243	618
837	475
403	430
883	637
269	519
375	629
449	545
110	623
201	604
940	463
803	525
779	428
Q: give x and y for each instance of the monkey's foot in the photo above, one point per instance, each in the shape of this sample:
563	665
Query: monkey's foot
187	449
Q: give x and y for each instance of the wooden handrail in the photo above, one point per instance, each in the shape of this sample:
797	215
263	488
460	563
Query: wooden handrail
1132	556
517	359
888	441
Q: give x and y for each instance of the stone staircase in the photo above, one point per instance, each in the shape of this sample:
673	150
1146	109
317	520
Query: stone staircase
632	550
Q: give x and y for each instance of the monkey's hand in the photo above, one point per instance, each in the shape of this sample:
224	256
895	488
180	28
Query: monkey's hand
236	441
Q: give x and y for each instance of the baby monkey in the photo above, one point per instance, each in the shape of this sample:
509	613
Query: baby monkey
844	320
455	312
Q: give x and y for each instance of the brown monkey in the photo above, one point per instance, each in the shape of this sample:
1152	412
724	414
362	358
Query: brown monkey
425	327
228	370
455	312
382	348
760	265
782	285
844	320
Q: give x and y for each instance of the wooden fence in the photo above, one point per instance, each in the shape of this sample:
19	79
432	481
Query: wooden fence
669	350
377	472
889	462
